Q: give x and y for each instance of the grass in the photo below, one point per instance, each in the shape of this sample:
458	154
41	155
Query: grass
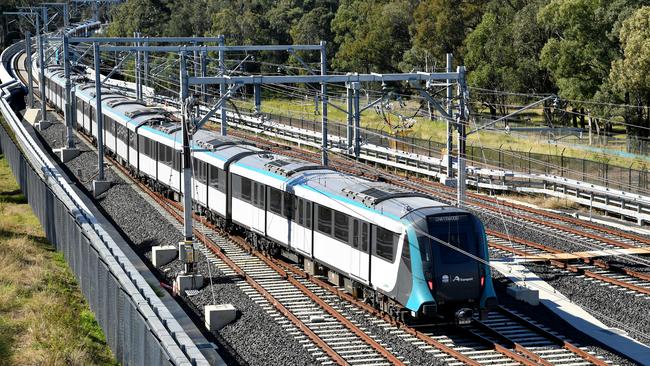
436	130
553	203
44	319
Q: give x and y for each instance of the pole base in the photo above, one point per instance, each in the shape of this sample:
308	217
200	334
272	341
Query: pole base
449	182
42	125
67	154
100	186
187	282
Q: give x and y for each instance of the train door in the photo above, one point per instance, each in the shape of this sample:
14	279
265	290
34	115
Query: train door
301	226
259	206
359	257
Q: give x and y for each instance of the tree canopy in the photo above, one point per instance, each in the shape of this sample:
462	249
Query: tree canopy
584	50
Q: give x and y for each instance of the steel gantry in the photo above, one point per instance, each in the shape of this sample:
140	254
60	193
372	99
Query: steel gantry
351	81
100	184
40	39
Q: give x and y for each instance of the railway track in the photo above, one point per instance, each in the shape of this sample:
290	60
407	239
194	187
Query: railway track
562	228
567	228
620	278
320	317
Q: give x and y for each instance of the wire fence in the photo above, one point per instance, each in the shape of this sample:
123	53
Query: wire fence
603	173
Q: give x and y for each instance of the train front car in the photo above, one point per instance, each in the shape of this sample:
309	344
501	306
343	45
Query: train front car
450	277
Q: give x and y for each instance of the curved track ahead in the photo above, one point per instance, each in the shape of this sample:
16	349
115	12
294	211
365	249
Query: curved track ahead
504	339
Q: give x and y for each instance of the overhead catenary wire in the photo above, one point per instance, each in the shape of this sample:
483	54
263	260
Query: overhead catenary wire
470	255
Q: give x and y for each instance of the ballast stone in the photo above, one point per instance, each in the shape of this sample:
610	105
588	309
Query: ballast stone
162	254
218	316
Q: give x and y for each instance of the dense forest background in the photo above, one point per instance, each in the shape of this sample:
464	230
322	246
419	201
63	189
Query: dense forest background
595	54
584	50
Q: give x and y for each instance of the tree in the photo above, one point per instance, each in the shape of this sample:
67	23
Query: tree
440	26
580	52
145	16
372	34
630	75
502	52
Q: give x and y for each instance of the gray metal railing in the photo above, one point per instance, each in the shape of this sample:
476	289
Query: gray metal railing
139	328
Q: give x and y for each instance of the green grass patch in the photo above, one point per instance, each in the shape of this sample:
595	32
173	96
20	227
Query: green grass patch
44	318
436	130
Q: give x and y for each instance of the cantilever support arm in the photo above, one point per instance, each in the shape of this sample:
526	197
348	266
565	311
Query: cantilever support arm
336	107
372	104
293	52
116	67
416	85
491	123
232	90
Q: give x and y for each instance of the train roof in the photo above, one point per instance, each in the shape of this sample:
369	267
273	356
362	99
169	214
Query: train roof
278	164
382	197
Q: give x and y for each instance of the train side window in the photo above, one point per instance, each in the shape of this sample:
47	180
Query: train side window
200	171
258	195
325	220
204	172
214	177
141	146
177	162
308	214
364	237
236	186
246	189
170	156
300	209
288	204
386	241
356	238
222	180
255	192
275	201
341	227
161	154
261	193
406	253
132	138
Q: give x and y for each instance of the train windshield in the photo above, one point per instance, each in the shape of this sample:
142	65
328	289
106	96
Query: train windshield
453	275
457	231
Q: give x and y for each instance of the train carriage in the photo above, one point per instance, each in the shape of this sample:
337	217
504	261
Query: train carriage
402	251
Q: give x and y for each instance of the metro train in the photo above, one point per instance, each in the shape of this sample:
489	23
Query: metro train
381	242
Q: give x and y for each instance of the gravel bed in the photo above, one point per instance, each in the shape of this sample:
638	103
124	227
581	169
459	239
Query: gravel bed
255	337
520	230
244	334
255	333
552	321
413	354
630	310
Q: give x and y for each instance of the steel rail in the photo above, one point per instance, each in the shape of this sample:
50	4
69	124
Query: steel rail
351	326
559	341
172	210
572	220
576	269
